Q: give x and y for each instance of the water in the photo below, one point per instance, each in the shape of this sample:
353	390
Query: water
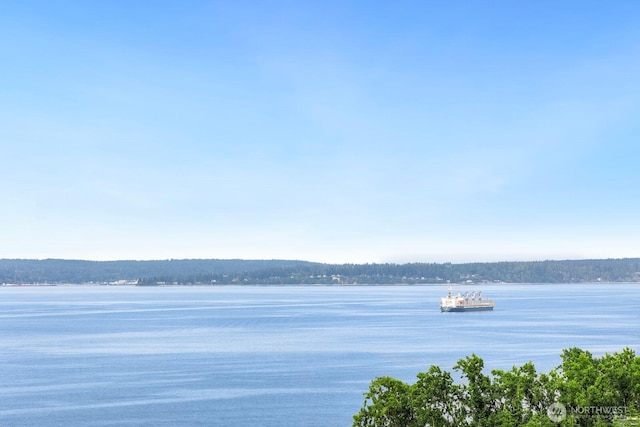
270	356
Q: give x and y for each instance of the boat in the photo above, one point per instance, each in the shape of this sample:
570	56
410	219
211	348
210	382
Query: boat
466	302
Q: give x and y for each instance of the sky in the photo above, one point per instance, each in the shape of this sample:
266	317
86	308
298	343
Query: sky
330	131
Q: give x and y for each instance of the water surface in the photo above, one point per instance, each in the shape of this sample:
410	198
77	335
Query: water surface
270	355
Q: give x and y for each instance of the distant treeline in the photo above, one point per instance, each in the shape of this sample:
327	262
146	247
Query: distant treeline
21	271
215	271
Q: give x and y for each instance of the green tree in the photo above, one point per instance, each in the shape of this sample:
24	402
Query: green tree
387	403
436	399
518	397
478	396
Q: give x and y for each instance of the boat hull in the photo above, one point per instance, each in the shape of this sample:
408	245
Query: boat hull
462	309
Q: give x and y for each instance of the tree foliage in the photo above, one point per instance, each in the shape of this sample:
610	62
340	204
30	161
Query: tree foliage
594	391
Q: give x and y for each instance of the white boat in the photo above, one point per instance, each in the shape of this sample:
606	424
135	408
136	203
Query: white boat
466	302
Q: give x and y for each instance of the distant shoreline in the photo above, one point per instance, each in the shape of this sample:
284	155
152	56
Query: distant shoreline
307	285
291	272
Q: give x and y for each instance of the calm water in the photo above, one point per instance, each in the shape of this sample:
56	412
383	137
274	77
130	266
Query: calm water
270	356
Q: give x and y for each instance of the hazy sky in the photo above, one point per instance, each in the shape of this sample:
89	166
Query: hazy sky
336	131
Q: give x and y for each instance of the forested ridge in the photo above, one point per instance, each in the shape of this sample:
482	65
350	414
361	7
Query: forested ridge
217	271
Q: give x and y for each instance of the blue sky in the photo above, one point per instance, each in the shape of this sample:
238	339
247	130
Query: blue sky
334	131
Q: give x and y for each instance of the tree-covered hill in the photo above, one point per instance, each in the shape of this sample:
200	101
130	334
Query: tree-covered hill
76	271
216	271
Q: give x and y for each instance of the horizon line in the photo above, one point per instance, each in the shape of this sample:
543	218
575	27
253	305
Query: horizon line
320	262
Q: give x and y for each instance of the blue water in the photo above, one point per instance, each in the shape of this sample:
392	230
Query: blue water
270	356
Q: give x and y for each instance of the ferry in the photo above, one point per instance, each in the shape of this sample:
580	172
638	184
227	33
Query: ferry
466	302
